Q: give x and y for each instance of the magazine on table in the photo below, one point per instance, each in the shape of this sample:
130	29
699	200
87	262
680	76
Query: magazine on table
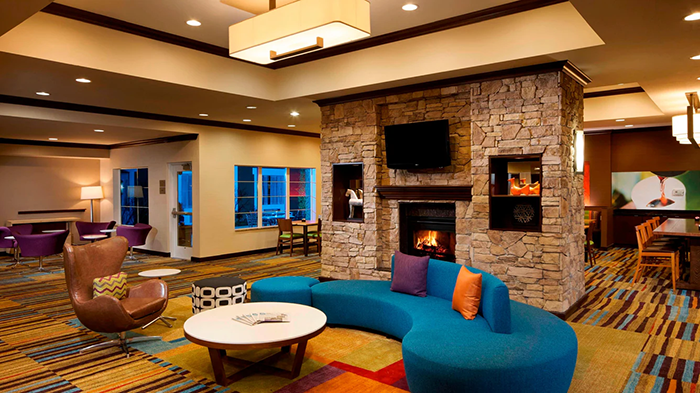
261	317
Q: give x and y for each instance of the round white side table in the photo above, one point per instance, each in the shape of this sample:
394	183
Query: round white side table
159	274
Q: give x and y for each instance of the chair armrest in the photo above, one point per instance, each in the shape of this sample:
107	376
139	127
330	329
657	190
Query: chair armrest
150	288
103	314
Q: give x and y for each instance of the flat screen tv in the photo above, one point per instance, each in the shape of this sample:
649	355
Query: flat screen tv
418	145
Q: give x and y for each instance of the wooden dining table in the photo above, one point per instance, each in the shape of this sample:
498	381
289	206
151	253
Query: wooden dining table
686	228
305	225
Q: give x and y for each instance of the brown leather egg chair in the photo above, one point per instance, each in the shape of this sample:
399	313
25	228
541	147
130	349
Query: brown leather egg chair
106	314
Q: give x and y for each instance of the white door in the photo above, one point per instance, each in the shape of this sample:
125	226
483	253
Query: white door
180	197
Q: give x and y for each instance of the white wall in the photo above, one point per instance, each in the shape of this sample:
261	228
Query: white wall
156	158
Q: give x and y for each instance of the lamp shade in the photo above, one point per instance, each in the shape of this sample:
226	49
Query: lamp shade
299	27
580	145
135	192
680	128
93	192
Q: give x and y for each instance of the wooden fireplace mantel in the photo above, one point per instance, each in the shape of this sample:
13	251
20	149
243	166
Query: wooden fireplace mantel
426	193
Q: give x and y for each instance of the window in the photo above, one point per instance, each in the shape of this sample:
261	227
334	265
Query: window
302	194
134	196
274	195
281	192
246	197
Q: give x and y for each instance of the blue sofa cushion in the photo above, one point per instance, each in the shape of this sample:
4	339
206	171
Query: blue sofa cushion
283	289
495	300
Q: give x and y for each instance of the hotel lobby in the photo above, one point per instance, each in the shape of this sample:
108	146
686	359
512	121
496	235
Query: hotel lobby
349	195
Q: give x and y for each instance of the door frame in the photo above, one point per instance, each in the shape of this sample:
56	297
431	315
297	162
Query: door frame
176	251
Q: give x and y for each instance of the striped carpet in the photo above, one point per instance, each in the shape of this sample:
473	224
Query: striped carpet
632	338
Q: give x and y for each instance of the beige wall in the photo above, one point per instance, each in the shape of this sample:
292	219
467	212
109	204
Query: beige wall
156	158
219	152
213	155
45	183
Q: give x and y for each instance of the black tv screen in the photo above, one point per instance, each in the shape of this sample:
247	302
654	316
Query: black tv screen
418	145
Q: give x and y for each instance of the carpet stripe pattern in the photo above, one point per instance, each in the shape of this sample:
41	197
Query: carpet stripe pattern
638	337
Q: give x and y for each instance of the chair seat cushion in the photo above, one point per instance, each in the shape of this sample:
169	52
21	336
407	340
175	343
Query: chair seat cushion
139	307
291	235
314	235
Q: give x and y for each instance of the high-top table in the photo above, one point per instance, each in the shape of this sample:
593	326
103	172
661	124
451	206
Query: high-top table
688	229
305	225
216	330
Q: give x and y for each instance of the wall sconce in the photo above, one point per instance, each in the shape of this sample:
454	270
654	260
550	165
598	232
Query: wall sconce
684	125
579	146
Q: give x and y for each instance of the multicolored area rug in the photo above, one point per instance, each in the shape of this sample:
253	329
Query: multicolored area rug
632	338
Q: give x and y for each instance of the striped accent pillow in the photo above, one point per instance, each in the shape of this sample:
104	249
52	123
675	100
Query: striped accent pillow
114	285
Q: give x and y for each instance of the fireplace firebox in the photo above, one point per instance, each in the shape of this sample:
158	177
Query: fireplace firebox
428	229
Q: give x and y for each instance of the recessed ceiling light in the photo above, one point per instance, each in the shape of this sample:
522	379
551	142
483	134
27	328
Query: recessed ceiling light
53	139
409	7
620	120
693	16
204	114
99	130
194	23
291	126
251	107
294	113
629	125
697	57
247	120
83	80
42	93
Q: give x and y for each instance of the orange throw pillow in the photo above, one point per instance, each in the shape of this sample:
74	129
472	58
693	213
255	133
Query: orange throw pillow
467	294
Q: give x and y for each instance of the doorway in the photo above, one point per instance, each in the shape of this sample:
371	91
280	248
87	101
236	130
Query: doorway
180	190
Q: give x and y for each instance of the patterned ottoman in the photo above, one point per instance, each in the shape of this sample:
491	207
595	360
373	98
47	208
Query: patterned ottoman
217	292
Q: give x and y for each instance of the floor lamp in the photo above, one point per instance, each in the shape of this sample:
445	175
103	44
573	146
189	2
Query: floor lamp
91	193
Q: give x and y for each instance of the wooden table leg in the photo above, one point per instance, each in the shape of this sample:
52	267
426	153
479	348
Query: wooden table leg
306	241
298	359
694	276
217	363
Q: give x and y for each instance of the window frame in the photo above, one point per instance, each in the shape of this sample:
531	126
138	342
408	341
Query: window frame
118	172
260	196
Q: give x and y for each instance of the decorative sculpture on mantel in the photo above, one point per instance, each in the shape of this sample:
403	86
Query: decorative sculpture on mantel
354	200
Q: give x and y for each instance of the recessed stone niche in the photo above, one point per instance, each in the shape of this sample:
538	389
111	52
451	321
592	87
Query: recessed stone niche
527	114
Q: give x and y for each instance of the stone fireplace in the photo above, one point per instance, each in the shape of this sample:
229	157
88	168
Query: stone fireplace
531	111
428	229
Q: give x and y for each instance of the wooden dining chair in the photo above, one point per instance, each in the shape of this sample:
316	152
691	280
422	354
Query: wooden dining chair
287	235
316	236
651	255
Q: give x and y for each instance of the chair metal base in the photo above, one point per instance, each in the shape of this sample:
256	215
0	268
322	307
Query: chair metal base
160	318
131	255
121	342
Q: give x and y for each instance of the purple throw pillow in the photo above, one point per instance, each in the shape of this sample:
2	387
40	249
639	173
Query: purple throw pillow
410	274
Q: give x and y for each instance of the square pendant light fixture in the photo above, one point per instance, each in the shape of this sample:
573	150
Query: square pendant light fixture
299	27
686	128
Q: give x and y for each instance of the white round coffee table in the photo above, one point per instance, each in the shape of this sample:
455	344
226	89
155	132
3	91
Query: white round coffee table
159	273
92	238
216	330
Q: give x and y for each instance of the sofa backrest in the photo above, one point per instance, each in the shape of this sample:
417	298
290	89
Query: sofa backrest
495	300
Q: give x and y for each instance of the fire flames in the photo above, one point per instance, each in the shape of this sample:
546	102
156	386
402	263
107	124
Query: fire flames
429	243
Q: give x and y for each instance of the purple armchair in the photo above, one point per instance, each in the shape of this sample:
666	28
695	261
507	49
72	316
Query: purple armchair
23	229
136	235
41	245
92	228
8	243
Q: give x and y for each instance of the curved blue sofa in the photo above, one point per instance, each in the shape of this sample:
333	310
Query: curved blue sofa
508	347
